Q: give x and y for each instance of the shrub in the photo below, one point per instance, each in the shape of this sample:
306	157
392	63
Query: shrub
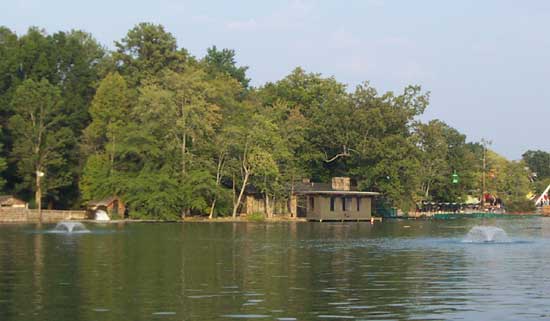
520	205
256	217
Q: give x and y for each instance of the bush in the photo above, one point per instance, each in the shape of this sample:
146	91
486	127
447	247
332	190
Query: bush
520	206
256	217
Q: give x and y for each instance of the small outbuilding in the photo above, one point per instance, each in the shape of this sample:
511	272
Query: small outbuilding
10	201
113	206
254	202
338	201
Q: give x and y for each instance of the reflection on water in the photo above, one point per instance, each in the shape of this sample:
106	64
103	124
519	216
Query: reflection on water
302	271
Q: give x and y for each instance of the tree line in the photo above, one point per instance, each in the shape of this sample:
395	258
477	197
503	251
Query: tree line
173	134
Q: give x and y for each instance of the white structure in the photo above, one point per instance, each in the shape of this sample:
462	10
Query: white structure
101	215
540	200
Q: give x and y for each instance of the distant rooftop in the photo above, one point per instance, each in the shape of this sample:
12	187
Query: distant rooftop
311	188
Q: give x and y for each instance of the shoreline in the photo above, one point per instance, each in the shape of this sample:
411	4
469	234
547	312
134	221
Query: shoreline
200	219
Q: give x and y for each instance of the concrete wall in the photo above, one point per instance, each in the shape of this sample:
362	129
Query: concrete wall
321	208
22	215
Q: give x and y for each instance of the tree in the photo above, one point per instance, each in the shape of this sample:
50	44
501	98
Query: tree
539	162
387	158
434	148
444	152
516	187
178	109
9	69
311	100
223	61
39	140
70	61
109	111
97	180
255	144
294	164
78	62
145	51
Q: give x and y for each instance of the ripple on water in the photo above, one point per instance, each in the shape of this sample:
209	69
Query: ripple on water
164	313
101	310
246	316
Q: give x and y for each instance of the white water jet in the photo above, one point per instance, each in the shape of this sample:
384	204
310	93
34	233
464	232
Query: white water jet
70	227
486	234
101	215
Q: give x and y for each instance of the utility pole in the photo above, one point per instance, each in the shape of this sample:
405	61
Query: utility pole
484	143
38	196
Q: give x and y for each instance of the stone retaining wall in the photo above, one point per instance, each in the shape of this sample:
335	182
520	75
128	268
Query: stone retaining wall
23	215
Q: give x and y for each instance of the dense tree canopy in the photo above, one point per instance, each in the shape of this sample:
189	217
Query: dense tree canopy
175	135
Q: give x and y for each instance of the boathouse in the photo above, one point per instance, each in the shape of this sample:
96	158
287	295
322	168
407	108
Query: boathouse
10	201
113	206
337	201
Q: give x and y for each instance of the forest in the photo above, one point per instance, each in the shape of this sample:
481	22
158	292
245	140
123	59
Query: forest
174	134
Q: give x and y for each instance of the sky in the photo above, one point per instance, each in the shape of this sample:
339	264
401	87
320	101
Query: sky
485	63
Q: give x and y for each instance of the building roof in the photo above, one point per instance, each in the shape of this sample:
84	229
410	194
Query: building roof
326	188
343	193
10	200
103	202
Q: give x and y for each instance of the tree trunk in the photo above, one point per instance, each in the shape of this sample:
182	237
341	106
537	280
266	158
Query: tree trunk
113	155
212	207
239	199
427	190
268	209
218	181
183	149
38	195
290	206
234	190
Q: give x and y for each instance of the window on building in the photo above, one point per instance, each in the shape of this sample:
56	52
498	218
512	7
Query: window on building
358	204
312	202
332	204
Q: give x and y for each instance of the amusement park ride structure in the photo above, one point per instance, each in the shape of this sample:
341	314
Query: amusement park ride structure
543	201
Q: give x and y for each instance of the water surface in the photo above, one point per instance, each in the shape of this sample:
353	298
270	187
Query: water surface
395	270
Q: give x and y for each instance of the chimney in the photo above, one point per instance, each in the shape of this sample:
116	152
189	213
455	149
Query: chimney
341	183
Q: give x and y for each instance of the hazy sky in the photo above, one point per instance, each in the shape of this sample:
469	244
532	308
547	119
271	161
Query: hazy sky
486	63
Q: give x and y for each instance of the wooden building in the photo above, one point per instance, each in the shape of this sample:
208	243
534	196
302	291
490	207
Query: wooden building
10	201
113	206
338	201
254	202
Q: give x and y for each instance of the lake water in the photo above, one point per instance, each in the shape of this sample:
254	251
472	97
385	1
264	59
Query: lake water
394	270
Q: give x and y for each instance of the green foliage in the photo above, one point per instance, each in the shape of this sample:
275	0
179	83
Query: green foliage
154	195
540	185
147	50
96	180
516	186
109	111
539	162
40	140
520	205
161	196
224	62
256	217
443	152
